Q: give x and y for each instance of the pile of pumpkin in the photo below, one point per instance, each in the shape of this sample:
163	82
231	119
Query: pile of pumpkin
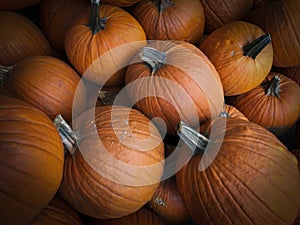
222	76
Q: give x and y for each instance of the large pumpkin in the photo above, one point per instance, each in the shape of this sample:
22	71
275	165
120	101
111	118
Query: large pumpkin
254	179
97	32
219	12
174	80
31	161
171	19
141	217
117	164
17	4
241	53
47	83
56	16
20	38
57	212
280	18
275	104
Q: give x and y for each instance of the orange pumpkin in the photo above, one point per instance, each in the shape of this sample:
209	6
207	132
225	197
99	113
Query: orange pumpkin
20	38
141	217
57	212
31	161
174	80
274	18
253	179
218	12
116	165
168	204
17	4
56	16
241	53
97	32
275	104
171	19
47	83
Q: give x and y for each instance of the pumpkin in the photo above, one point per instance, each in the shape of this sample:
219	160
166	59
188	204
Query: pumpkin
275	104
217	13
103	29
171	19
116	165
291	72
173	80
31	161
168	204
20	38
241	53
253	179
17	4
275	17
47	83
141	217
56	16
121	3
57	212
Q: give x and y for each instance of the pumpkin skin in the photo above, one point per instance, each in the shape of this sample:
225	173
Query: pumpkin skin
105	190
57	212
168	204
121	3
286	45
173	19
48	84
254	179
56	16
239	73
17	4
141	217
217	13
20	38
83	47
187	68
275	112
291	72
31	161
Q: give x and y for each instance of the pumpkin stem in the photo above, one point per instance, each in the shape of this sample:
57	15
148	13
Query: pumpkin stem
96	23
274	86
224	113
255	47
163	4
194	140
68	136
153	57
4	71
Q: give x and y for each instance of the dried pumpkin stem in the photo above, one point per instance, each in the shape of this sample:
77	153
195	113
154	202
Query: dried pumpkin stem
224	113
153	57
193	139
68	136
163	4
274	86
96	23
255	47
4	71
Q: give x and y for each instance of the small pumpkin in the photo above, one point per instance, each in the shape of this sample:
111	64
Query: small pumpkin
17	4
56	16
253	179
173	80
20	38
168	204
241	53
171	19
115	164
275	104
99	30
291	72
120	3
47	83
141	217
57	212
274	18
31	161
217	13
